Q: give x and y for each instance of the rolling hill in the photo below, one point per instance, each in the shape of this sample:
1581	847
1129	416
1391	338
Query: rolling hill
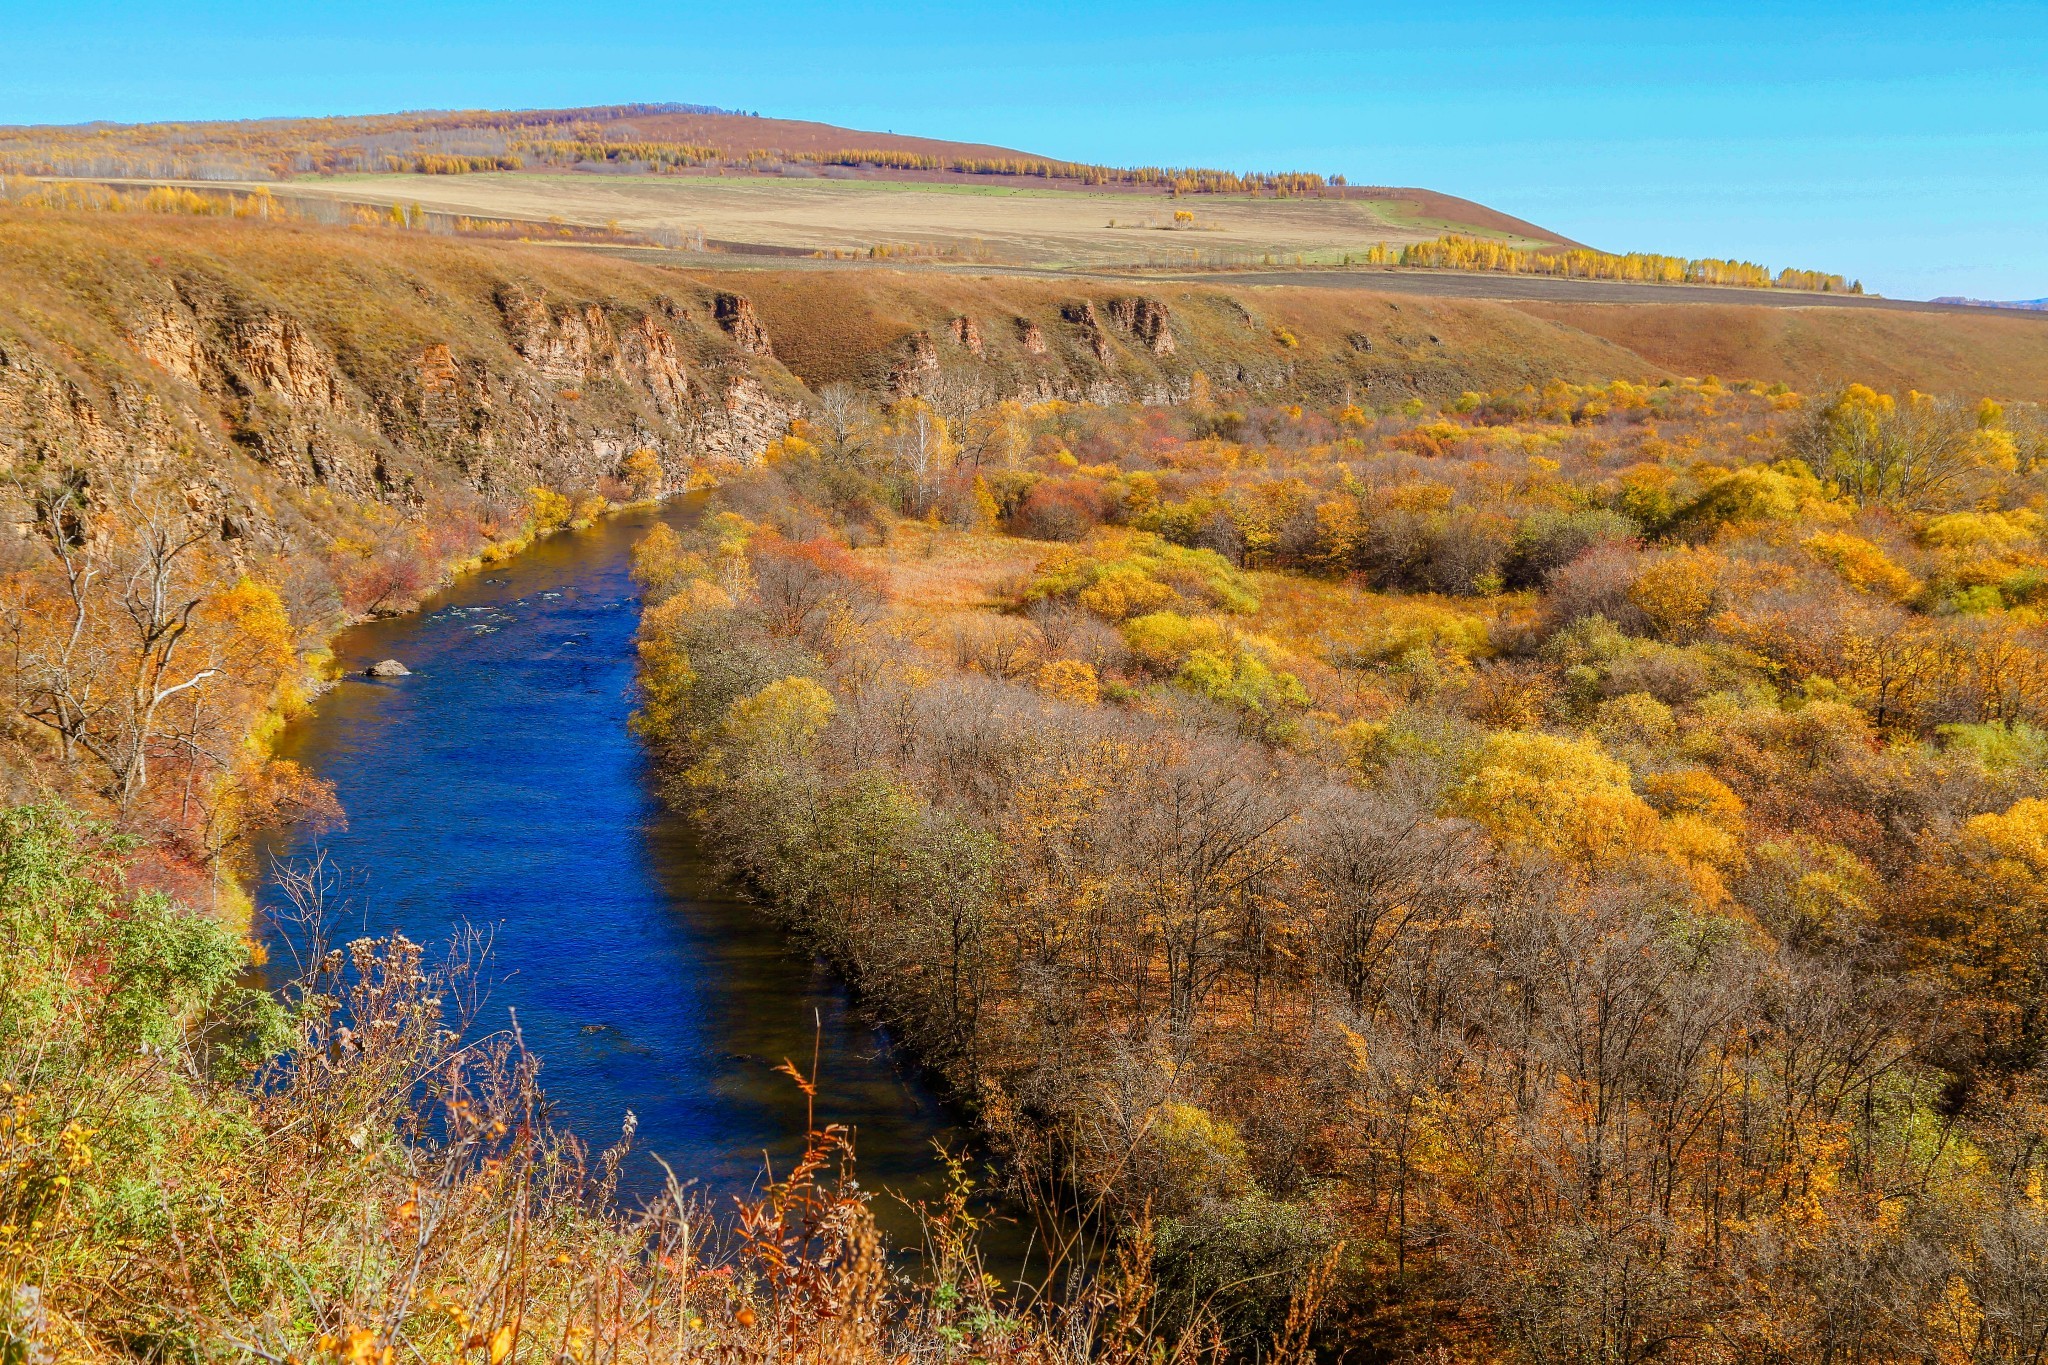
2022	305
644	139
693	175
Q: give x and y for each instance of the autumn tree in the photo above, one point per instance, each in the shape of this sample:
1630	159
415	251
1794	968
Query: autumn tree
1876	449
132	650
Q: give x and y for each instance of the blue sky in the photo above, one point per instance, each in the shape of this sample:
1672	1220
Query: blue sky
1905	143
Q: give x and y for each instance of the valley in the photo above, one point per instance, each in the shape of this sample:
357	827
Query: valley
972	784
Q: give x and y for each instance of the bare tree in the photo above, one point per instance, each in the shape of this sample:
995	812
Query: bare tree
111	660
842	417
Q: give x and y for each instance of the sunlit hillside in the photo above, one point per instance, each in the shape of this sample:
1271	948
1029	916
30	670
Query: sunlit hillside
696	178
1411	828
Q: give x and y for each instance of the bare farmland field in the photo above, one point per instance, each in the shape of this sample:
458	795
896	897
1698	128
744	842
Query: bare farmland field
998	223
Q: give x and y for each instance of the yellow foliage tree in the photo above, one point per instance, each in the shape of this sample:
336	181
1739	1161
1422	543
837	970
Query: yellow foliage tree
1677	592
1569	799
666	675
1070	680
1122	591
643	473
1861	564
785	717
547	510
1563	796
1165	639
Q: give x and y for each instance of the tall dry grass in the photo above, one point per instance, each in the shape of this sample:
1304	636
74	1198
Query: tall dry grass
347	1170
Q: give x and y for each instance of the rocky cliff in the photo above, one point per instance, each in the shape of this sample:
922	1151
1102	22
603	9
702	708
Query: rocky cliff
287	370
283	370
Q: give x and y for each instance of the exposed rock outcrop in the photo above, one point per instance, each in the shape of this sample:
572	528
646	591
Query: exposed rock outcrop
570	345
1082	314
651	354
276	354
966	334
1145	319
169	339
913	374
249	394
439	381
749	417
735	313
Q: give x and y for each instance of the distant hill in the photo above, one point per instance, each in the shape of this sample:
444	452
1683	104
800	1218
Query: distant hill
2030	305
654	140
701	179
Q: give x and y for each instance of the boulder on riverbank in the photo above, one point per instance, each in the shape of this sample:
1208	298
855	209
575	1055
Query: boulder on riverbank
388	668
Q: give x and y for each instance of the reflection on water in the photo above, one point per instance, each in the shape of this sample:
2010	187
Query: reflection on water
499	786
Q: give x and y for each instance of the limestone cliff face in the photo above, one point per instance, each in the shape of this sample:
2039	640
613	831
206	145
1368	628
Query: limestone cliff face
289	371
1146	320
247	388
913	374
735	313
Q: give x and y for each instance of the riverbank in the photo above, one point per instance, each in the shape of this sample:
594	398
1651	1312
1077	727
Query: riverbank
498	786
287	1132
1286	857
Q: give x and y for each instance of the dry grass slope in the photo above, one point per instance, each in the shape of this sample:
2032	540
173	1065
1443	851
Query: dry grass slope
79	293
1813	348
1010	220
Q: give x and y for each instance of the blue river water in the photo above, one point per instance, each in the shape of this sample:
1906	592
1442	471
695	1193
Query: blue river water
499	786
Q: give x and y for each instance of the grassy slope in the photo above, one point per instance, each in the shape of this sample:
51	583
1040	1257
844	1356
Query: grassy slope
1433	211
71	289
1019	222
375	297
833	326
1813	348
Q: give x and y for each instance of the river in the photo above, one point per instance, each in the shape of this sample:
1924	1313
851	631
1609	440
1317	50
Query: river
499	786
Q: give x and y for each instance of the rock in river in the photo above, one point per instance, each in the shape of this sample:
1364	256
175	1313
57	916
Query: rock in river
388	668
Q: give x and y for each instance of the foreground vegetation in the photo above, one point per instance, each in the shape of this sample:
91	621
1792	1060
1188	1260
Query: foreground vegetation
148	661
345	1172
1577	858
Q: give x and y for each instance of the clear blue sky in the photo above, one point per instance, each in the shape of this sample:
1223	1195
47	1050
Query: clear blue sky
1905	143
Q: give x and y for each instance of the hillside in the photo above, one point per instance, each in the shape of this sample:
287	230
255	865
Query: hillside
638	139
998	221
2023	305
1814	348
627	138
373	362
689	174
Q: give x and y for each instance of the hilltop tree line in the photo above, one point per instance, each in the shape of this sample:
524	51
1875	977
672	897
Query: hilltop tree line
1455	251
469	143
68	196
